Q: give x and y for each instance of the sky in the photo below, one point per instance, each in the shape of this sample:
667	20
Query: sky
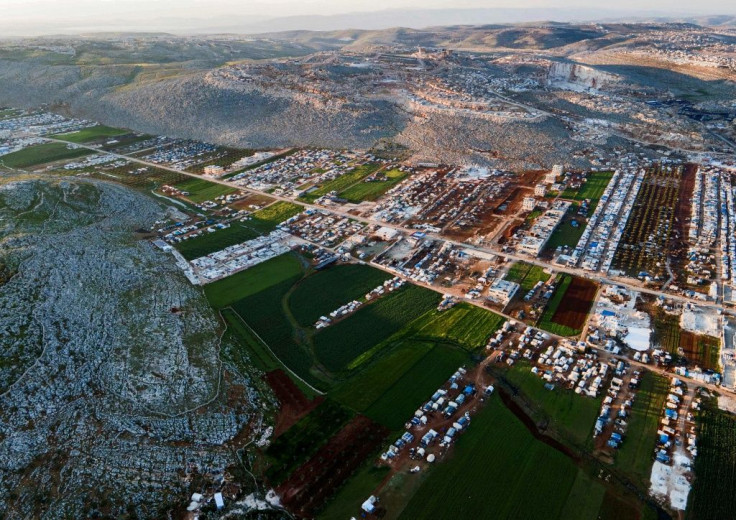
20	17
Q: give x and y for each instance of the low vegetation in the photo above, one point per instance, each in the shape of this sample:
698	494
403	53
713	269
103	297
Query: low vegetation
337	345
498	466
42	154
325	291
636	455
92	133
712	495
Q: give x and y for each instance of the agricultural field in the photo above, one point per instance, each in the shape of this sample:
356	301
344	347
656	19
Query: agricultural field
311	484
636	455
201	190
665	330
592	188
567	235
265	313
397	404
227	291
325	291
217	240
142	177
371	190
294	447
41	154
498	466
250	350
464	324
360	485
265	220
526	275
92	133
698	349
712	495
337	345
646	236
571	415
568	308
343	182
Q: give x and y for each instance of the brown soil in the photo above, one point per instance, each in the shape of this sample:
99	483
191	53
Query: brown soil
310	485
294	404
576	303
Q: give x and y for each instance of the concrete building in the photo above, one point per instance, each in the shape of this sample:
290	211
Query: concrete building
214	170
529	203
551	177
501	291
540	190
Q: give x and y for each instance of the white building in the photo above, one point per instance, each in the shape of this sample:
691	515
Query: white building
214	170
551	177
501	291
529	203
386	233
540	190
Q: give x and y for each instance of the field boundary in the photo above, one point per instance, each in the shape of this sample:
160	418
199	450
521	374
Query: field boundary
255	334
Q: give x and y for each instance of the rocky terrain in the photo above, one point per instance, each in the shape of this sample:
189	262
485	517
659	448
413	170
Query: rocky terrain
447	93
113	398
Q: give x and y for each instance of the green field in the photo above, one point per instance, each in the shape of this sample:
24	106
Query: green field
201	190
565	234
571	415
227	291
337	345
325	291
398	403
592	189
636	454
464	324
295	445
712	495
264	312
347	501
374	189
498	470
265	220
41	154
526	275
219	239
391	389
91	134
545	321
343	182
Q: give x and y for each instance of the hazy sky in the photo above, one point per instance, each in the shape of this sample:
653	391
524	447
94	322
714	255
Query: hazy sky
44	16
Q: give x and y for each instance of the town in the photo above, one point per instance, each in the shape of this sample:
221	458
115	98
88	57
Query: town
386	330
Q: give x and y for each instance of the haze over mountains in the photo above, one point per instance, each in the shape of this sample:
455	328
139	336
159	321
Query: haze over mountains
16	24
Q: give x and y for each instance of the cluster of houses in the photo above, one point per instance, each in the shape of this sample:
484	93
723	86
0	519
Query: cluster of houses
621	398
539	234
322	227
444	406
668	429
241	256
599	241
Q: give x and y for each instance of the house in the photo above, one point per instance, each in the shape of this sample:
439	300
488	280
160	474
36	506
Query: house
214	170
501	291
529	203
